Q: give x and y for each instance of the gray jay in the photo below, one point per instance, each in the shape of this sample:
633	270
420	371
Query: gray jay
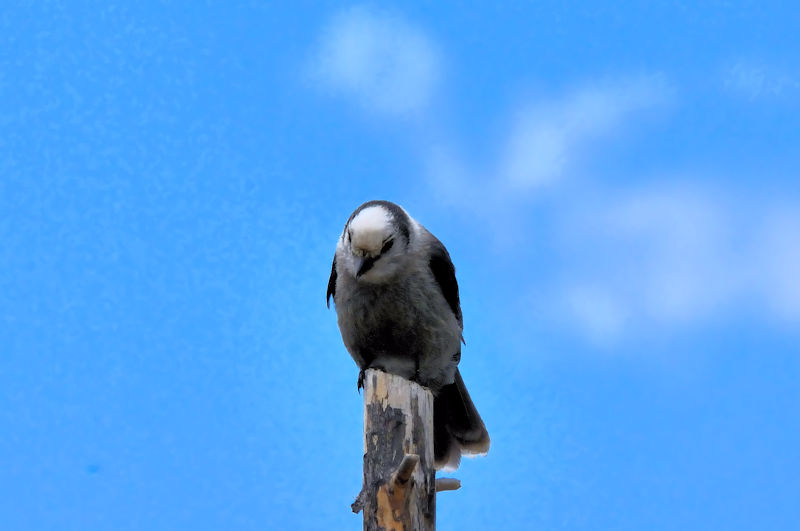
396	297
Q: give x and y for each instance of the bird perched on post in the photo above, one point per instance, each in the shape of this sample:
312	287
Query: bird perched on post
396	296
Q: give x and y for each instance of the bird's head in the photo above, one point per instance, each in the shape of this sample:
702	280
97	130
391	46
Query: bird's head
374	241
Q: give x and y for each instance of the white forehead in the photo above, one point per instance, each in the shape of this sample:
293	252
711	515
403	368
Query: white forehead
371	219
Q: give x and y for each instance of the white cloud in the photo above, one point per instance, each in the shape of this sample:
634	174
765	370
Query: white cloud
778	261
685	242
380	60
548	136
672	257
536	153
546	139
599	312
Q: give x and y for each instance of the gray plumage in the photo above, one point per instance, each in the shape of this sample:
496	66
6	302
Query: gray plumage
398	310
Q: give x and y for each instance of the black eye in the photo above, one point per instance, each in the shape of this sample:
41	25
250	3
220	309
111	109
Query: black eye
387	246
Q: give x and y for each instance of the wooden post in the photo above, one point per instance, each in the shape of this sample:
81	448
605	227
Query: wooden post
399	491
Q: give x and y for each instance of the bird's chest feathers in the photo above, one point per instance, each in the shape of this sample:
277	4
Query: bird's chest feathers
379	306
380	317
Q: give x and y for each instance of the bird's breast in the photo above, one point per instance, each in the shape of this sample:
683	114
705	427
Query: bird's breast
400	327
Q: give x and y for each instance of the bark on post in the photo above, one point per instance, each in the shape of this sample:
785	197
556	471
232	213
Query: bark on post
399	491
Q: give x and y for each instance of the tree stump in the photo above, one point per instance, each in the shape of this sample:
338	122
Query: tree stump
399	490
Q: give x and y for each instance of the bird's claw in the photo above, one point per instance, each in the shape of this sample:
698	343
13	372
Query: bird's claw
360	384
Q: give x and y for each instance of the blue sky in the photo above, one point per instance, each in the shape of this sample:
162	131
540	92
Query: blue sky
619	188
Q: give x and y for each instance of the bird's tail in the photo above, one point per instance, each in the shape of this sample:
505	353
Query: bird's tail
457	427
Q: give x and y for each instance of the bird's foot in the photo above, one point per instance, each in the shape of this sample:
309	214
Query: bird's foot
360	384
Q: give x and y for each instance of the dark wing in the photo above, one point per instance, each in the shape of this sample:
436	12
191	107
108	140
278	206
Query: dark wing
445	274
332	284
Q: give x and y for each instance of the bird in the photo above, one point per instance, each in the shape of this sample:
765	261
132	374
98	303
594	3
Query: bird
396	298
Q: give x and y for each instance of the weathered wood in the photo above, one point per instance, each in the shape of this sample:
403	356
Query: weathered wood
444	484
399	491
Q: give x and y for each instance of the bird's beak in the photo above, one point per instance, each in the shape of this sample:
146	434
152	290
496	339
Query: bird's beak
364	264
